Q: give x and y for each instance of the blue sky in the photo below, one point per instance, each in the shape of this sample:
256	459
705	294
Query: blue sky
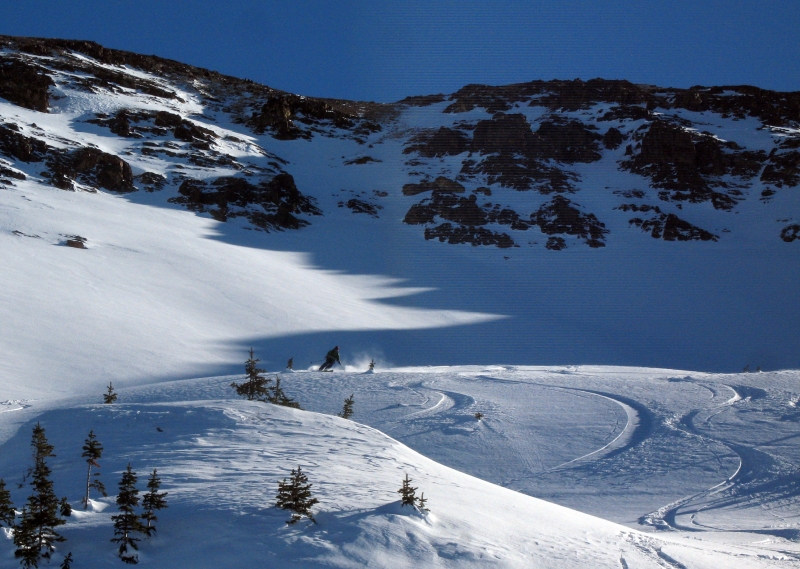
384	51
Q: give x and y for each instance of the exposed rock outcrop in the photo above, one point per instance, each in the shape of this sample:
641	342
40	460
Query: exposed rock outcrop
24	84
561	216
90	166
269	205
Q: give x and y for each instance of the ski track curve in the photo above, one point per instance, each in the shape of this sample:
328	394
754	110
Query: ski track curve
753	464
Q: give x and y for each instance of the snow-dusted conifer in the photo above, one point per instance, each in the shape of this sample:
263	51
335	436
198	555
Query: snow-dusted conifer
290	363
255	386
109	396
37	526
92	451
408	493
7	512
153	501
25	541
278	395
127	523
67	562
295	495
372	365
347	409
421	501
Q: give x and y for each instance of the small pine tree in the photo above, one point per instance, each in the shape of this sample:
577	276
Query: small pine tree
279	397
109	396
255	386
295	495
347	409
153	501
25	541
92	451
67	562
408	493
421	501
41	514
290	363
372	365
127	524
7	512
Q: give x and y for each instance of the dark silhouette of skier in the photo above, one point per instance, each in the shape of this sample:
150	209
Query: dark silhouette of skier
331	358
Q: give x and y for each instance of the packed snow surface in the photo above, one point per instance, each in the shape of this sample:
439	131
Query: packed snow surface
701	469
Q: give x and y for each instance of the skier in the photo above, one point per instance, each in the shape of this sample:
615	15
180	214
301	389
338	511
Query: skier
331	358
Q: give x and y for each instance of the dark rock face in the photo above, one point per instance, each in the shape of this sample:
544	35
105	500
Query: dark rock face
561	216
151	181
670	227
24	84
16	145
686	165
783	170
517	157
92	167
360	206
422	100
269	205
440	183
361	160
280	113
442	142
449	206
455	235
556	244
791	233
566	95
612	139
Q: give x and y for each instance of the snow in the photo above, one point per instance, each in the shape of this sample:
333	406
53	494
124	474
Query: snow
570	466
220	460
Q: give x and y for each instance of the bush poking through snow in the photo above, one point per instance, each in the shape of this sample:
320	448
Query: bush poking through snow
7	513
40	516
255	386
279	397
92	451
109	396
347	409
153	501
408	493
127	523
479	415
295	495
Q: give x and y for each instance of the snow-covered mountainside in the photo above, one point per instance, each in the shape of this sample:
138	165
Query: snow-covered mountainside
159	219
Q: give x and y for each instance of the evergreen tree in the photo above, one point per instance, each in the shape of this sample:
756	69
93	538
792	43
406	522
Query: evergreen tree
421	501
67	562
347	409
109	396
255	386
25	541
372	365
290	363
407	493
7	513
153	501
41	514
127	524
295	495
92	451
279	397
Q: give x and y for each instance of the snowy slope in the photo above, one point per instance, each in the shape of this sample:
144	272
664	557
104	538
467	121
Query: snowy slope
220	461
157	221
162	292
